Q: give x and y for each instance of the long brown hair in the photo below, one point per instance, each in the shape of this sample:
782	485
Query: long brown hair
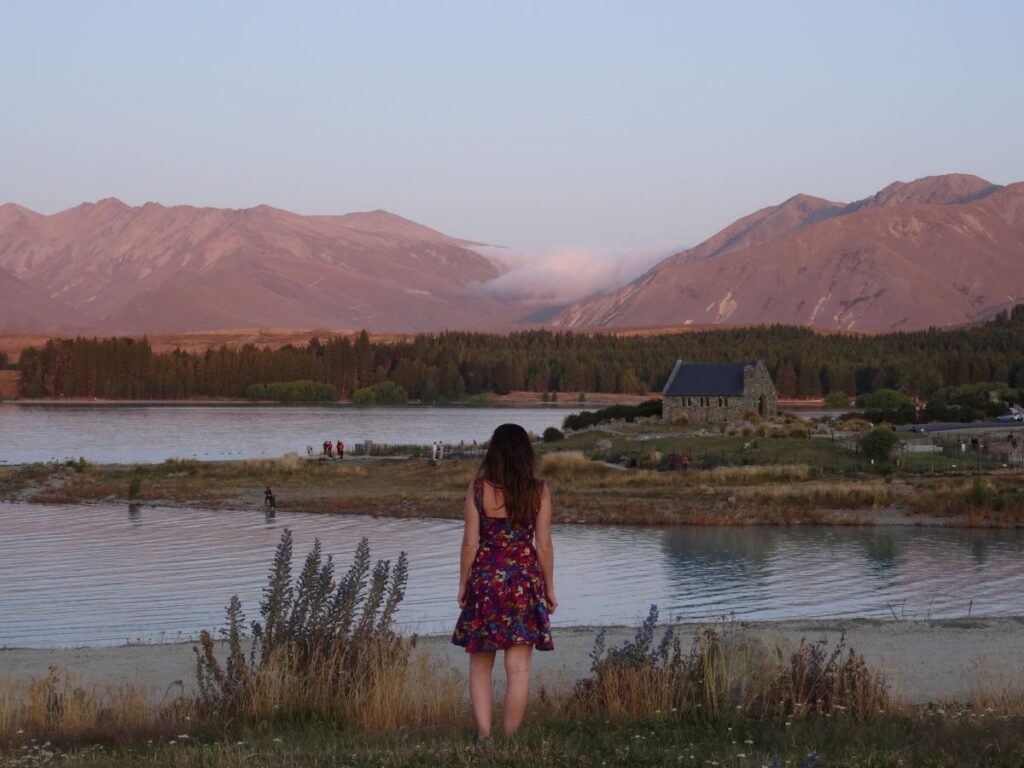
508	465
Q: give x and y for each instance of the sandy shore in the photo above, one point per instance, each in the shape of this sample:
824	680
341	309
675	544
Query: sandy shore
923	661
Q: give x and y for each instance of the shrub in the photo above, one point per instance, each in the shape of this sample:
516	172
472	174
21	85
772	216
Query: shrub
383	393
627	413
553	435
885	400
837	400
648	677
322	642
878	444
302	391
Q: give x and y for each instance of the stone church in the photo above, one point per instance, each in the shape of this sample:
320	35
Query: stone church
718	392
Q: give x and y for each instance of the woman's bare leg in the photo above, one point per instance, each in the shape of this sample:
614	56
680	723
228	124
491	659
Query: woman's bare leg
517	687
481	691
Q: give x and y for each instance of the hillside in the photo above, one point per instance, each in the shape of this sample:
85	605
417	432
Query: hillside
939	251
108	267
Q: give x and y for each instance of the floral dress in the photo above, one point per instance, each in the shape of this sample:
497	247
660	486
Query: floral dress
505	600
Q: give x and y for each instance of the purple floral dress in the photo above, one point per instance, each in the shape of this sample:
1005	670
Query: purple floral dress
505	601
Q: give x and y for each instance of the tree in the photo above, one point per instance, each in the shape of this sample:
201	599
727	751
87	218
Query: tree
785	379
878	444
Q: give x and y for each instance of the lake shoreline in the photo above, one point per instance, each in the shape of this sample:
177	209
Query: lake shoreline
592	493
924	661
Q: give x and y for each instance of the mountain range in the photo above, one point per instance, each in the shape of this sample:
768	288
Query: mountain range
942	250
939	251
108	267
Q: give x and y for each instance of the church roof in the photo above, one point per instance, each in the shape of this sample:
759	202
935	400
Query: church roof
706	379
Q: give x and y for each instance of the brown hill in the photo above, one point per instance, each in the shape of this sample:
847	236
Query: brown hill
938	251
109	267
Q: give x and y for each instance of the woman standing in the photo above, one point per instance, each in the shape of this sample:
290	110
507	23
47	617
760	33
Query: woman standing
506	578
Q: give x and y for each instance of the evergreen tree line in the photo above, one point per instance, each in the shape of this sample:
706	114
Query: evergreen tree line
454	365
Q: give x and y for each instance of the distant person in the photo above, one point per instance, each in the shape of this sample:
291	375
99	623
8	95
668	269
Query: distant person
269	500
684	461
433	451
440	451
341	450
671	462
329	448
506	576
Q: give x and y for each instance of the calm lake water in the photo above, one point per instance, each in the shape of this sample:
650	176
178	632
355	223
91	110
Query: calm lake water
89	575
153	433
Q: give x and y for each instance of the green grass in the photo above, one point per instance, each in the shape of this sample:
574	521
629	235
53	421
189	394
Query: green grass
927	740
820	453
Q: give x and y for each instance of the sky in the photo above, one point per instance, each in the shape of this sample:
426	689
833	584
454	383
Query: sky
627	129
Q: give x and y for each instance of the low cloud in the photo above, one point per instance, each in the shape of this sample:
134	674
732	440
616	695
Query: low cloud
564	275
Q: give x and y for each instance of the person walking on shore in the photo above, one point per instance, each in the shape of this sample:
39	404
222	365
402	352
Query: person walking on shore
341	449
506	576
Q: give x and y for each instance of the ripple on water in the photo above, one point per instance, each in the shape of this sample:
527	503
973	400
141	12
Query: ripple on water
98	575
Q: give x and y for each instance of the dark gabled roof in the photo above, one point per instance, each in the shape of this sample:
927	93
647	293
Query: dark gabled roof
706	379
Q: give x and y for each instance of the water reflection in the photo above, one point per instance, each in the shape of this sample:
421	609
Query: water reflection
93	575
150	433
882	550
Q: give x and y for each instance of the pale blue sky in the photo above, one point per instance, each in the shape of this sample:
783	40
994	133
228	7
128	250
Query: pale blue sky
618	125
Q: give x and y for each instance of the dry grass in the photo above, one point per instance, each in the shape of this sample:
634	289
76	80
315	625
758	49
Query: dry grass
54	708
723	677
832	495
977	503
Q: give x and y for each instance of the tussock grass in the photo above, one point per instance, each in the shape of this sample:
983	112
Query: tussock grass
832	495
982	502
749	474
572	466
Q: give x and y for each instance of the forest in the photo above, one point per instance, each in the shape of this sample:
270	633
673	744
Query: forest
453	366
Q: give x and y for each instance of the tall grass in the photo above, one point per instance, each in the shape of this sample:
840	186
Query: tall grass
324	645
648	677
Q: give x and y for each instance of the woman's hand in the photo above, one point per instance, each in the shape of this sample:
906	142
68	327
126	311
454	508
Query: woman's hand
463	588
552	602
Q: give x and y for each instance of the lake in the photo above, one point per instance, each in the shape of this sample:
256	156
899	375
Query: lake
105	433
104	575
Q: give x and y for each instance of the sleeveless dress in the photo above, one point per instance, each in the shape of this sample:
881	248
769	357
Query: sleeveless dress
505	598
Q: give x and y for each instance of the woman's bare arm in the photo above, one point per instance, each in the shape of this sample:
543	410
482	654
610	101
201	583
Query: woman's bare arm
545	550
470	543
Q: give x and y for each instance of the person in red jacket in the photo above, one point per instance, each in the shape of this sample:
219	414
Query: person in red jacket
341	450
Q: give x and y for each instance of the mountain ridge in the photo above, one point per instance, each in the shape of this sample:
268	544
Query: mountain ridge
941	250
106	266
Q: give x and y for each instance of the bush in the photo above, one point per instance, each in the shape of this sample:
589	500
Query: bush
553	435
321	641
878	444
383	393
837	400
584	419
302	391
885	400
648	677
